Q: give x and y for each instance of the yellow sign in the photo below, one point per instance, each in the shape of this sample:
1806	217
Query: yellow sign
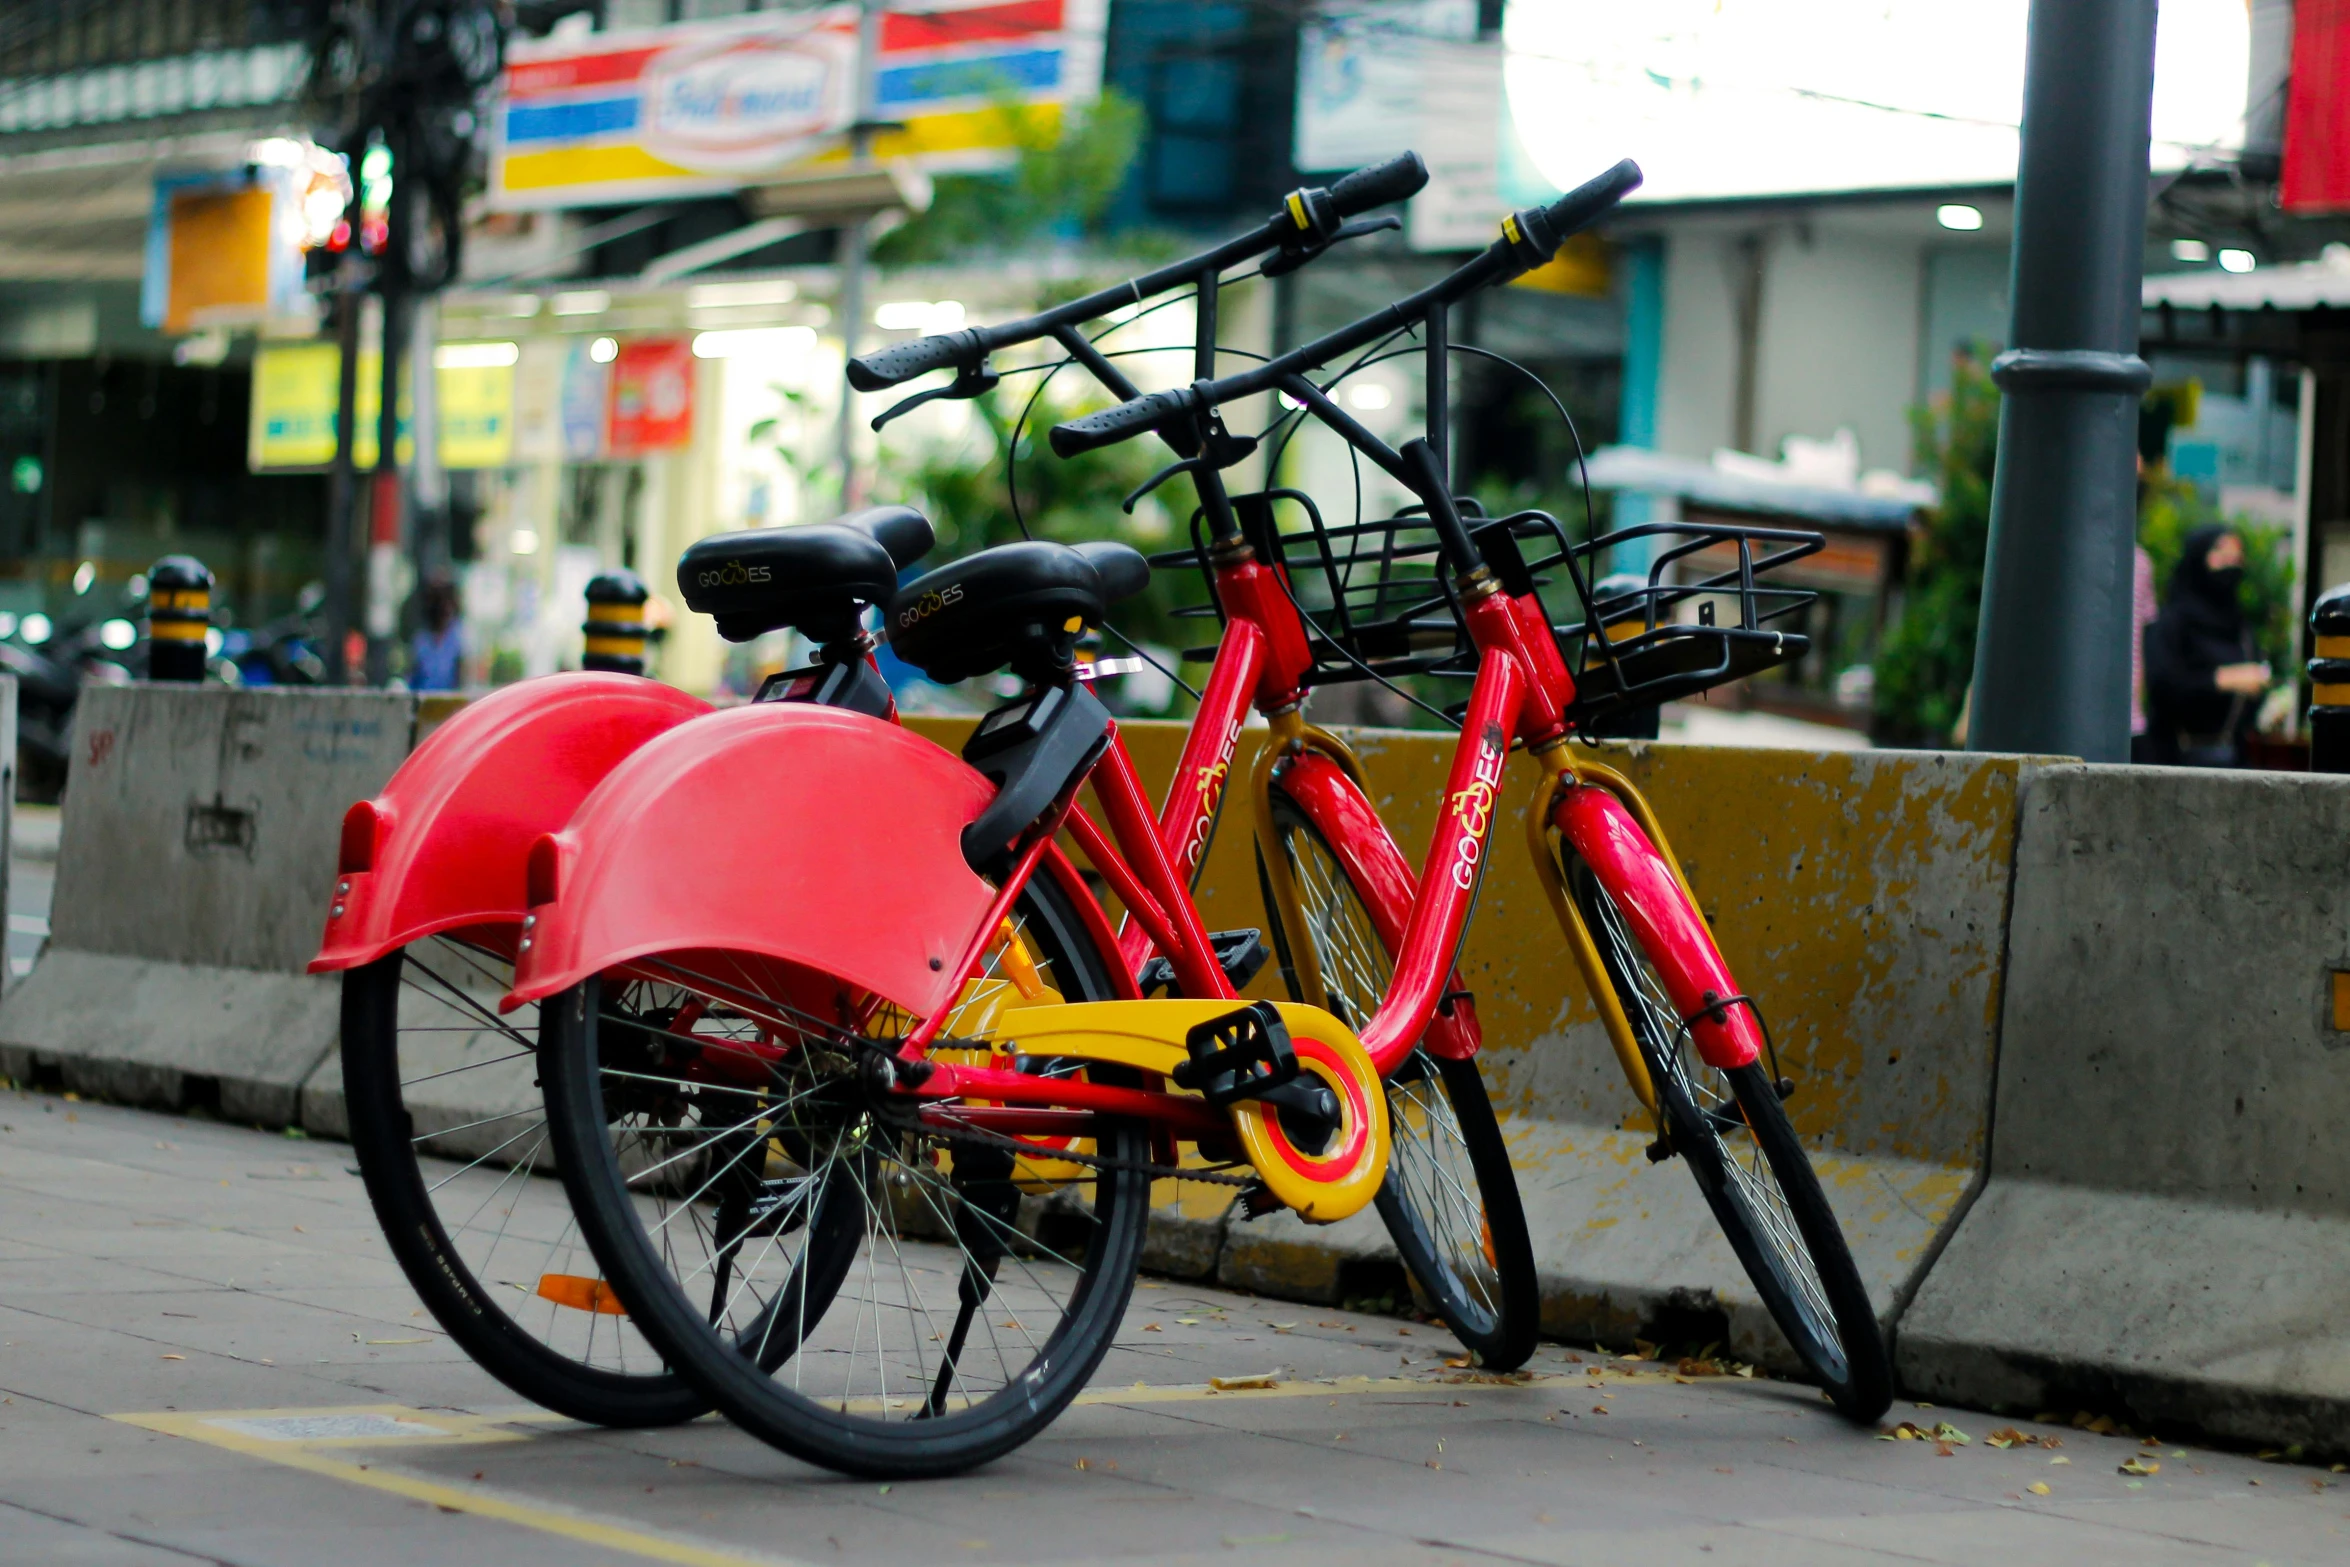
219	258
476	415
292	424
1580	267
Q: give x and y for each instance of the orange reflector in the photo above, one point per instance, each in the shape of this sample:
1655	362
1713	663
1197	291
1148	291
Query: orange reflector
1018	966
580	1294
2341	1002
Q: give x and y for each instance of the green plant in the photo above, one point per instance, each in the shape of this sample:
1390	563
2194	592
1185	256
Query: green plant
1928	655
1066	167
792	428
2170	508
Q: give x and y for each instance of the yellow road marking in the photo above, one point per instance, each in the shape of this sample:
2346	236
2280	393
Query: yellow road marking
310	1440
241	1431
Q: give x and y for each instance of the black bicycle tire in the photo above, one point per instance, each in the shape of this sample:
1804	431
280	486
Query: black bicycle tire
381	1135
752	1399
1501	1339
1863	1388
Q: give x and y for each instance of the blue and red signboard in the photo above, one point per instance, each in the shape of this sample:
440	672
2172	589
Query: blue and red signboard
704	107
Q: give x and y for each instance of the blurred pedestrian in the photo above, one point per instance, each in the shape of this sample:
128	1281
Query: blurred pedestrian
2144	607
2203	673
436	653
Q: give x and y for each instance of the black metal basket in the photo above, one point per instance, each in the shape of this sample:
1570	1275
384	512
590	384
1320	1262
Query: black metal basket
1381	601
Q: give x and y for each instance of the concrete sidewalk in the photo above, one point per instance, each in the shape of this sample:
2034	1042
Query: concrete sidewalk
227	1288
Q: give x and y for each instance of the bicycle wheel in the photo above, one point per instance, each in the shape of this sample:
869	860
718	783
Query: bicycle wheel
1450	1199
1734	1133
862	1289
451	1136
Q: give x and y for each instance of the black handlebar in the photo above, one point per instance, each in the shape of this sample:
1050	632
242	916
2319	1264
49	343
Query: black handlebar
886	367
1528	239
1112	425
1538	232
1306	225
1398	179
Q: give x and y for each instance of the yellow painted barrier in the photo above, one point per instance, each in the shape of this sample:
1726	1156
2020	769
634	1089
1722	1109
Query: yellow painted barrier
1861	897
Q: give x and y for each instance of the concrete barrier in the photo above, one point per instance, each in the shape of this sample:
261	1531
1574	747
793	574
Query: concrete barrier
2166	1230
1860	896
199	832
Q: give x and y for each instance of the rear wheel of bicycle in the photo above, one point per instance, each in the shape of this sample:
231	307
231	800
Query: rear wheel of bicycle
1732	1130
865	1290
447	1120
1450	1199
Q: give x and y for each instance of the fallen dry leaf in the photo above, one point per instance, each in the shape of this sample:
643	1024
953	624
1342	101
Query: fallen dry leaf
2038	1488
1692	1367
1148	1327
175	1357
2134	1465
1458	1362
1237	1384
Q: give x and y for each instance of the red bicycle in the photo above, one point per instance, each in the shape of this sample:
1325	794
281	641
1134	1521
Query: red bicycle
852	1081
429	907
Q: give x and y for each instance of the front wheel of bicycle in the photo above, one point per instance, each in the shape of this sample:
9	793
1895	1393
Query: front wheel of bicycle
445	1116
1450	1200
1733	1132
866	1285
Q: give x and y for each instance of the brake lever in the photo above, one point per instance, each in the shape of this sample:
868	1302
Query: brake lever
970	381
1221	449
1290	257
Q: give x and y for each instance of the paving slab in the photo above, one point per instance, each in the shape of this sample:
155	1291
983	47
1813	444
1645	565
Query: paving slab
198	1363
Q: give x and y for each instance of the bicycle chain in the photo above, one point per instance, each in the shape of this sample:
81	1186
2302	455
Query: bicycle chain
985	1138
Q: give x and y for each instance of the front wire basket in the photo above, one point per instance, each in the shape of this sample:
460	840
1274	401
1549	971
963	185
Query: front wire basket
1381	602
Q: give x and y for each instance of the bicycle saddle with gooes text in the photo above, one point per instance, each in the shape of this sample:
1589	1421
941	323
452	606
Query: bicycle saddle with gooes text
1022	605
814	579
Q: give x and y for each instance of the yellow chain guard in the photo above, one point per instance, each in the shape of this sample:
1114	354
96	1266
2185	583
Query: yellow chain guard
1149	1035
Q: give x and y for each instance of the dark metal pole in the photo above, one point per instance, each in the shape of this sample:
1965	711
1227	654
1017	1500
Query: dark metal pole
2052	659
343	485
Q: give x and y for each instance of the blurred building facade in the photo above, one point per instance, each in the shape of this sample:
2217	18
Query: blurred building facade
625	367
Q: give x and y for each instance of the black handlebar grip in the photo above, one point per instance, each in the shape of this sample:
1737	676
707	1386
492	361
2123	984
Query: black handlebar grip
1579	208
1398	179
1113	425
886	367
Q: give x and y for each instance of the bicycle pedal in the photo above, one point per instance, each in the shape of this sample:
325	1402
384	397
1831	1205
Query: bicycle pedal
1240	1055
1239	953
1256	1200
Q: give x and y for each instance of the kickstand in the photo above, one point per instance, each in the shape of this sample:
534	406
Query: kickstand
990	1205
978	1278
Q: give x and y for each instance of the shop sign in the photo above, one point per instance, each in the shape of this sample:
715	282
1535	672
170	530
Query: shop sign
704	108
652	399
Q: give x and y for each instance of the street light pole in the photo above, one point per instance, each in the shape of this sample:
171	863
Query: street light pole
2052	657
855	241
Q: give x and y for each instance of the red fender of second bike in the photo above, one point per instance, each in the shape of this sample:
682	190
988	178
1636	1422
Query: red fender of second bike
1335	805
443	846
1599	828
823	839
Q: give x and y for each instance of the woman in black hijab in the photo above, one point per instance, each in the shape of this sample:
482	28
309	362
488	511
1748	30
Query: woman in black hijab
2203	676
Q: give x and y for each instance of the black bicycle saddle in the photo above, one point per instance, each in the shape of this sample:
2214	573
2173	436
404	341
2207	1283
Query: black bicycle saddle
814	579
1022	605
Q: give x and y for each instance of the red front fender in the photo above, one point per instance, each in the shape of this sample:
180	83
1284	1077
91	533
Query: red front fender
1668	926
443	846
817	837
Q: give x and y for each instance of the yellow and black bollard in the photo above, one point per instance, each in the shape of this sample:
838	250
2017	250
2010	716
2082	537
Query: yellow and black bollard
179	617
616	623
2329	681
